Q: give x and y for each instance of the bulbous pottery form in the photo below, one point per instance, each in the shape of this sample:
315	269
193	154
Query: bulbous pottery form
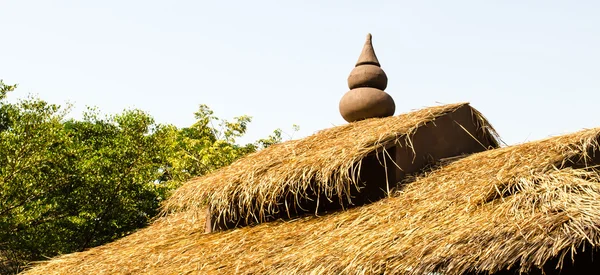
366	102
366	98
367	76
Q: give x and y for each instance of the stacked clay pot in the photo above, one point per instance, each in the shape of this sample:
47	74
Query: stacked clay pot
366	98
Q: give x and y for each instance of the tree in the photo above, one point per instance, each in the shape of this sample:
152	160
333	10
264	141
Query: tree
118	161
4	89
204	147
68	185
34	174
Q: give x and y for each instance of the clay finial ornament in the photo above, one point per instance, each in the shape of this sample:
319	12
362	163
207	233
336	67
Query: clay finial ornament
366	98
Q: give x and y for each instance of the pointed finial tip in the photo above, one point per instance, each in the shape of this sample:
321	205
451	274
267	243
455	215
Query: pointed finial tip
367	55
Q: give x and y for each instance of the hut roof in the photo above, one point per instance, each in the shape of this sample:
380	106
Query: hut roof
324	163
517	206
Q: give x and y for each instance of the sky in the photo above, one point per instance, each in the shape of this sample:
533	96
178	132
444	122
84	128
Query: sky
531	67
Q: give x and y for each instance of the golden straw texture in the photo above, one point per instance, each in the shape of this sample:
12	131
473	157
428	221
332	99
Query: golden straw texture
254	186
517	206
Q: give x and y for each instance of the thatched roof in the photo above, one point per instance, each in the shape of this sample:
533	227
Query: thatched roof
517	206
325	163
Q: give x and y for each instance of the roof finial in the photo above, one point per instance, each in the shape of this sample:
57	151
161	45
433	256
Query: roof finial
366	98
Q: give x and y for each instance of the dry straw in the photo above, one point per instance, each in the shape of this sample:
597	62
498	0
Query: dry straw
255	186
517	206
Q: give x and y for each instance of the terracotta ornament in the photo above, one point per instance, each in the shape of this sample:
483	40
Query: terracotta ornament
366	98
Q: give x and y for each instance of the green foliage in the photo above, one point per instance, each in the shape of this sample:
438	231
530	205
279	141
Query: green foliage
4	89
68	185
204	147
34	171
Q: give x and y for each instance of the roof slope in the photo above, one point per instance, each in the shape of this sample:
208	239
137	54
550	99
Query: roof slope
254	186
487	212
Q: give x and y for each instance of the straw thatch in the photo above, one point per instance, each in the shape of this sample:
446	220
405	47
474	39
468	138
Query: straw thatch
516	207
324	164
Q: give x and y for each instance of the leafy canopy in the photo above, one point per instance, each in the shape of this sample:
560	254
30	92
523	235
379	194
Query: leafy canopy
67	185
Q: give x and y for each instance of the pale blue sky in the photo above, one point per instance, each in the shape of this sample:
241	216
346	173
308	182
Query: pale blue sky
531	67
